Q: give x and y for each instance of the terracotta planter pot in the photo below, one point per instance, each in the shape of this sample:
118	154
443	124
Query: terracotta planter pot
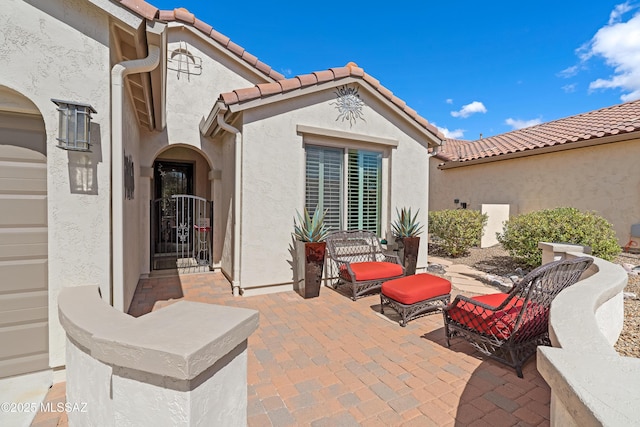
312	268
408	251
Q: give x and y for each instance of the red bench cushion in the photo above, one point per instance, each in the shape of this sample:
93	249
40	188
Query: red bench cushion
499	323
412	289
365	271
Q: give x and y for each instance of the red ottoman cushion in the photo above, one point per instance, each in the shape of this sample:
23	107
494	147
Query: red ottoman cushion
499	323
365	271
419	287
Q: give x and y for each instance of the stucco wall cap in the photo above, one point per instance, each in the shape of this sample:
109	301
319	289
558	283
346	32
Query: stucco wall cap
179	341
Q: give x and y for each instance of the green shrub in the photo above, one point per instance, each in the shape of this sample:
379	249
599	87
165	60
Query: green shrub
457	230
561	225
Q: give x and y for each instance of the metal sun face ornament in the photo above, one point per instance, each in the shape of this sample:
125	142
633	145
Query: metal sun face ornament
348	104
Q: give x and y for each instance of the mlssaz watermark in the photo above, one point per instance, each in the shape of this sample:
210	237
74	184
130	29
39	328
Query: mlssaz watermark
43	407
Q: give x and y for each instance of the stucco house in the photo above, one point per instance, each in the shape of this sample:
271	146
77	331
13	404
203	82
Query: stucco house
176	108
588	161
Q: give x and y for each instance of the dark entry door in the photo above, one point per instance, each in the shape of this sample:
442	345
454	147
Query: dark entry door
170	179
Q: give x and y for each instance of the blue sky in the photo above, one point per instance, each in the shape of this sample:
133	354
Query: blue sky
469	67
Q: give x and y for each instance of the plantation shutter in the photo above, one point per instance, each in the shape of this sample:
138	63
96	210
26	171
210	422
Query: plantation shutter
363	190
324	183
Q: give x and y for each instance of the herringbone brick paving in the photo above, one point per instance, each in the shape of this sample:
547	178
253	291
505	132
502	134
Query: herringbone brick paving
329	361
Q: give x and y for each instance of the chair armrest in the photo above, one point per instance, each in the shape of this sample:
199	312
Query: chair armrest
391	258
462	300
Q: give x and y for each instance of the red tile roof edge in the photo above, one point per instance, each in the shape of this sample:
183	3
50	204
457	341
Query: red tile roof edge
608	121
332	74
151	12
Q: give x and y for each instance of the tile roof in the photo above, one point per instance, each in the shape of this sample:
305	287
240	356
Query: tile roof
615	120
333	74
151	12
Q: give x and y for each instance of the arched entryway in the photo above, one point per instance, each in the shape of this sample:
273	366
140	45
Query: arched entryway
24	328
181	211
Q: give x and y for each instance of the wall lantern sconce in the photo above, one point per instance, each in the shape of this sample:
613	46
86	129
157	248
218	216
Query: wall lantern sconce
74	130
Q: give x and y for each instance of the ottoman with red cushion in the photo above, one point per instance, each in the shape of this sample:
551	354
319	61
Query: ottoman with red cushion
415	296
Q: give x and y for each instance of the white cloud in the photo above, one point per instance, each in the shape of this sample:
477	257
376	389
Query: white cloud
469	109
287	71
449	101
519	124
452	134
618	44
570	88
569	71
617	12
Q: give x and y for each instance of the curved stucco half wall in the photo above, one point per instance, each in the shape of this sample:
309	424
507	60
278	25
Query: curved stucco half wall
590	383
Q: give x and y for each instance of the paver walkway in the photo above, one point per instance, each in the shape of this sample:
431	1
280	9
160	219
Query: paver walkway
329	361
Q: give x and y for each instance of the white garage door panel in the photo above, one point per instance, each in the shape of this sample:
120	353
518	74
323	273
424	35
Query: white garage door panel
21	365
24	275
22	250
24	329
23	170
24	316
23	301
24	340
17	212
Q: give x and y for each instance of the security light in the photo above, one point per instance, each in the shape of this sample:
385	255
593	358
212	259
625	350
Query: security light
74	131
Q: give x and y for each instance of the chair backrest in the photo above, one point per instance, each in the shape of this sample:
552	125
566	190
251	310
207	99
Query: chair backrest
354	246
537	290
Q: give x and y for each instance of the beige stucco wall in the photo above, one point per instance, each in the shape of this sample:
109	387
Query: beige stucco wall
132	251
60	49
273	176
601	178
189	99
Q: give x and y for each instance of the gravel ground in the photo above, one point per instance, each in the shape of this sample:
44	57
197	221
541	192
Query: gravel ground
496	261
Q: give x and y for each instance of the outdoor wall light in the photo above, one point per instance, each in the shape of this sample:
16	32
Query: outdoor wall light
74	130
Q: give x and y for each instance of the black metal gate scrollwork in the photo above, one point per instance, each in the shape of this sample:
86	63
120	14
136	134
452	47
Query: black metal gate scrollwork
181	232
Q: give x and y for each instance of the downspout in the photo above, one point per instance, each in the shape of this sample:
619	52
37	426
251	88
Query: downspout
118	73
237	204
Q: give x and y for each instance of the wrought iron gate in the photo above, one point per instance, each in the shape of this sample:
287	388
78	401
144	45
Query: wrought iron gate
181	232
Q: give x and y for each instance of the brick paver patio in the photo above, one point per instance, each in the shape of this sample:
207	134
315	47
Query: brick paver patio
329	361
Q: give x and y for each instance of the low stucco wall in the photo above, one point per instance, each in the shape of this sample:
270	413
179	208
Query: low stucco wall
590	383
148	371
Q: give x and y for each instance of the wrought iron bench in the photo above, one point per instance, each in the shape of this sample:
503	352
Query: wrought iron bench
360	263
509	327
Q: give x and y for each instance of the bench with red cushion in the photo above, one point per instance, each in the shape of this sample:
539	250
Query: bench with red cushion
374	270
414	296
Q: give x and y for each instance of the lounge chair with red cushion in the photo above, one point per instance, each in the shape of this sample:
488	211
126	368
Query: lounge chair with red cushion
360	263
509	327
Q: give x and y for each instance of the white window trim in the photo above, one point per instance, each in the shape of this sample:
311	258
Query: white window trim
345	145
305	131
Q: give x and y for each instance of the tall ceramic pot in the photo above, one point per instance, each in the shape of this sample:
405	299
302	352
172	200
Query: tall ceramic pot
408	250
313	266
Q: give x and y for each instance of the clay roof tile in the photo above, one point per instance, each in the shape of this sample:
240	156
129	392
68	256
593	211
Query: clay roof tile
324	76
229	98
219	37
267	89
251	59
184	15
203	26
247	94
235	48
166	15
289	84
307	79
141	7
340	72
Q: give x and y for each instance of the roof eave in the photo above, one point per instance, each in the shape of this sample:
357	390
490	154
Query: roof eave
433	140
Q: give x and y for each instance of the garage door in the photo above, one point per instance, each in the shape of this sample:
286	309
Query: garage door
24	335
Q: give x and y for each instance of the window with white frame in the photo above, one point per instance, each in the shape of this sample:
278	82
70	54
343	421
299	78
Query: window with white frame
346	183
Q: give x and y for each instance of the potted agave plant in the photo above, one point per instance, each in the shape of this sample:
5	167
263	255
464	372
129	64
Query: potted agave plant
406	230
310	232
